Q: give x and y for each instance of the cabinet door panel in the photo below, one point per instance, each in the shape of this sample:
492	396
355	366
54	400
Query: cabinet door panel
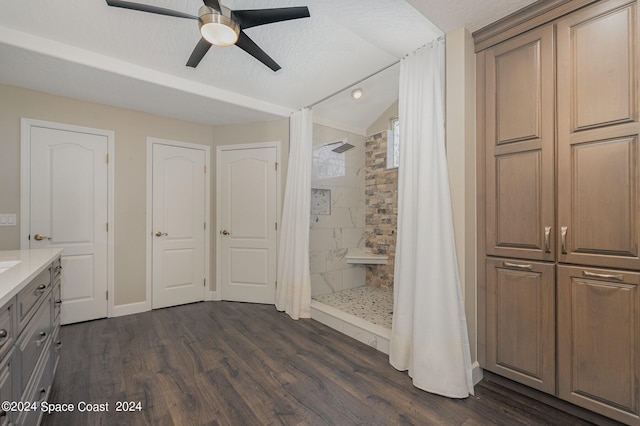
519	146
598	156
520	322
598	340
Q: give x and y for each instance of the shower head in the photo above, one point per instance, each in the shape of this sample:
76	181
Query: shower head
342	148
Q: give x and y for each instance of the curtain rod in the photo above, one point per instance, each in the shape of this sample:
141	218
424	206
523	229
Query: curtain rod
353	84
371	75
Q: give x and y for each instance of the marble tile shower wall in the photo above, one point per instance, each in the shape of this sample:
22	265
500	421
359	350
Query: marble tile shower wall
331	235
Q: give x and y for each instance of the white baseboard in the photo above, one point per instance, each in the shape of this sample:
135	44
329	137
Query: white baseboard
476	373
212	295
130	309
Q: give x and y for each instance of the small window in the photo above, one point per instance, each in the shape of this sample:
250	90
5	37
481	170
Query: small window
393	144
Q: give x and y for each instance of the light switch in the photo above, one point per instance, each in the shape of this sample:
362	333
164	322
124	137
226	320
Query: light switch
7	219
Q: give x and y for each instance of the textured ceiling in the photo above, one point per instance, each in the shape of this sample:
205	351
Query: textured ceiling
87	50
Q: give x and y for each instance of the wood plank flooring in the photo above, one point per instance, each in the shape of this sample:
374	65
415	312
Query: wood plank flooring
225	363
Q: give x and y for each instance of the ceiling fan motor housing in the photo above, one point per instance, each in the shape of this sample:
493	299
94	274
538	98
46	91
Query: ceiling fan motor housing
218	28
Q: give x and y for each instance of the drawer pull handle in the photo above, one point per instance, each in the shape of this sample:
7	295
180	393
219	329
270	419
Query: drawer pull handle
58	345
618	277
517	265
563	239
40	289
547	238
43	337
43	394
3	333
58	301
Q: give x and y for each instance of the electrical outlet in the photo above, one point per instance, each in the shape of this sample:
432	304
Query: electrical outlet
7	220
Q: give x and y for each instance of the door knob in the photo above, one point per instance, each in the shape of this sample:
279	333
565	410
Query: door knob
160	234
225	232
40	237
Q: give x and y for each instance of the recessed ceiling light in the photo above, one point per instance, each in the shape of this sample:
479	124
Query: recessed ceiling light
356	94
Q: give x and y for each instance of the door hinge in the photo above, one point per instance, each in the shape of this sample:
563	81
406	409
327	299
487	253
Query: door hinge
276	226
205	226
107	226
107	294
276	166
205	168
205	282
107	159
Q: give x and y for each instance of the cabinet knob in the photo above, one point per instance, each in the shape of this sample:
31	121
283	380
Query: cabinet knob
3	333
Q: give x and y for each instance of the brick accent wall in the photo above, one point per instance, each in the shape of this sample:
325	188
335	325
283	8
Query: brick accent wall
381	189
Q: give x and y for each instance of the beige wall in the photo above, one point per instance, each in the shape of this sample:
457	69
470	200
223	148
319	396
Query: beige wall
131	131
461	158
382	123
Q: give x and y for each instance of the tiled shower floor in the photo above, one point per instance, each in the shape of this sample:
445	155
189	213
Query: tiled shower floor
369	303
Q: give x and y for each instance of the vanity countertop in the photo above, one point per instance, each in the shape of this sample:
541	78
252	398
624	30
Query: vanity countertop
19	267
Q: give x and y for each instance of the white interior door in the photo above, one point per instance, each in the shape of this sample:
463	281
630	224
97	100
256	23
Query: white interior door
68	209
248	202
178	225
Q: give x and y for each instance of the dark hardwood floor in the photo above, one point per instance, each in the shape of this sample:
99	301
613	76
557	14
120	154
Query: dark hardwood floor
224	363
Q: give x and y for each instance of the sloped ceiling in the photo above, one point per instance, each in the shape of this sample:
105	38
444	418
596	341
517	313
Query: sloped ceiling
88	50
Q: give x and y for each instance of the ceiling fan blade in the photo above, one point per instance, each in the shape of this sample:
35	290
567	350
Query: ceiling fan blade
149	9
213	4
248	45
198	53
253	18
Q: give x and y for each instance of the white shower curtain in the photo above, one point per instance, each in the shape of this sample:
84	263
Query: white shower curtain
429	332
293	293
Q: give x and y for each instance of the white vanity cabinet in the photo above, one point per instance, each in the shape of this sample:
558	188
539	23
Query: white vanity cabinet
29	333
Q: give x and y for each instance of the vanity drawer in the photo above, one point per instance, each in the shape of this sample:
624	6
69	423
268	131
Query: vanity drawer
33	342
30	296
56	269
38	390
57	301
56	345
7	329
6	388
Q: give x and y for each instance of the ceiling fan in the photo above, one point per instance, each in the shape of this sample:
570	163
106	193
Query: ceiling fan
224	27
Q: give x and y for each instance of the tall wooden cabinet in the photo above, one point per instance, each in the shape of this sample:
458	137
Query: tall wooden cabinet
558	131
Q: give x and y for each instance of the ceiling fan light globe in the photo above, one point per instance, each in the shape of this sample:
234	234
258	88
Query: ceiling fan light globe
219	34
216	28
